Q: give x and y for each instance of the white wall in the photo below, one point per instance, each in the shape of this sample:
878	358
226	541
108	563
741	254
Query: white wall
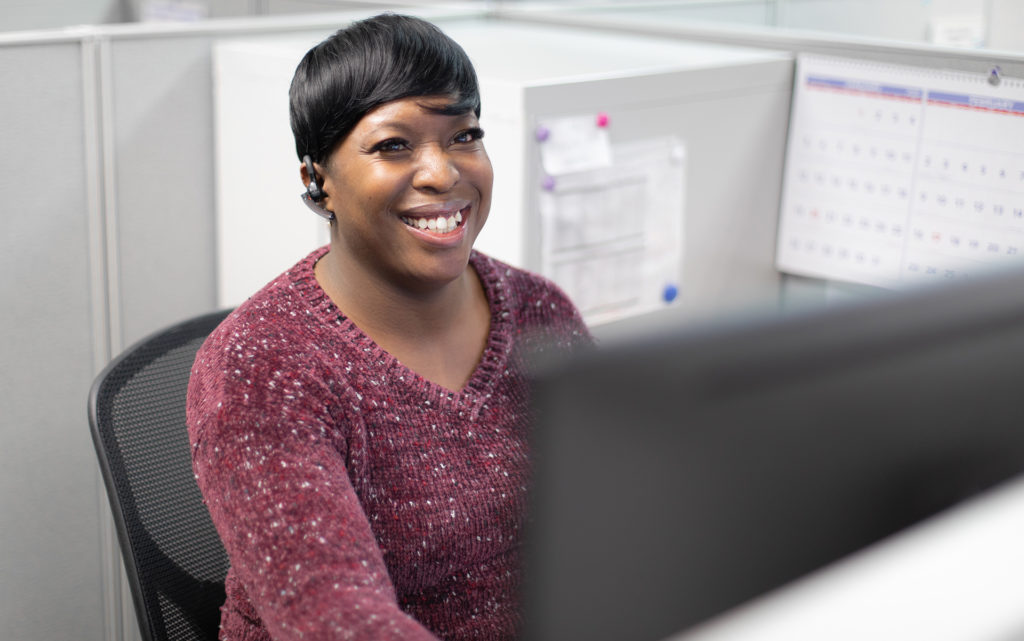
908	20
897	19
18	15
1006	25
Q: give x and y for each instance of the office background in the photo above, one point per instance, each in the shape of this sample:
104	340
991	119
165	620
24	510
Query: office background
107	182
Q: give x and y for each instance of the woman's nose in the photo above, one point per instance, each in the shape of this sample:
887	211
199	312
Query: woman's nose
435	170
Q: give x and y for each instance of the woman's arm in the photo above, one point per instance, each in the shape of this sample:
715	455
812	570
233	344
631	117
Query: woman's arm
270	462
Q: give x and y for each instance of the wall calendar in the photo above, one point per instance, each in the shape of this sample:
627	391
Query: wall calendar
898	175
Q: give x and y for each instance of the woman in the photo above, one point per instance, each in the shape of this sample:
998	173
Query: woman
359	425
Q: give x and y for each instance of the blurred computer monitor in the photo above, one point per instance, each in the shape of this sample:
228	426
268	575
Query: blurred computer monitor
681	475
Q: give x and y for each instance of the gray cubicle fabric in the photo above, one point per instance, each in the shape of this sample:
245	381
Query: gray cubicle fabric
163	197
50	528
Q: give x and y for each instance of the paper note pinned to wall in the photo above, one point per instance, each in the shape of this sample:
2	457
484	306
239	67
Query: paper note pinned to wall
613	236
572	144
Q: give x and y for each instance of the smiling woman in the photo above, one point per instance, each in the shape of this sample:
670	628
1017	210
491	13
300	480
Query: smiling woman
393	183
359	426
404	171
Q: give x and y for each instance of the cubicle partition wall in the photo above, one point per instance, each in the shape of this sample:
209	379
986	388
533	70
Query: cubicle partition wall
654	20
108	186
50	565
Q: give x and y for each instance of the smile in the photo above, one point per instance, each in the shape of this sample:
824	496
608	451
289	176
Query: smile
440	224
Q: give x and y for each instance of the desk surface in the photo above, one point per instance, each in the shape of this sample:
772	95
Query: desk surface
956	577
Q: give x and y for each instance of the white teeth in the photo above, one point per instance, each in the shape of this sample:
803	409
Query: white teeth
441	224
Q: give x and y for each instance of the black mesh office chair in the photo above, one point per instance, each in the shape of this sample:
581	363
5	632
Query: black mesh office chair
174	559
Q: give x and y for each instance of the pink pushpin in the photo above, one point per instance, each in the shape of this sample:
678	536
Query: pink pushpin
602	119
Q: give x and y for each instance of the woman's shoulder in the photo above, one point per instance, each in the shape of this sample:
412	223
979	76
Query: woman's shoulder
531	298
280	322
278	352
515	282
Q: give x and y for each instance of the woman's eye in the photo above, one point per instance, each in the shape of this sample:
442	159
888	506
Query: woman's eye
391	145
469	135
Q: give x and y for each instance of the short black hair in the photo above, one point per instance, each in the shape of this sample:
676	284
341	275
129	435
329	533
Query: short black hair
369	63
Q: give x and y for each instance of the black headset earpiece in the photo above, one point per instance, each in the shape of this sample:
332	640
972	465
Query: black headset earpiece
314	194
313	189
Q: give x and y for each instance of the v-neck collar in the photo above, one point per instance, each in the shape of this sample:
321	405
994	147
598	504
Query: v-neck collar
491	366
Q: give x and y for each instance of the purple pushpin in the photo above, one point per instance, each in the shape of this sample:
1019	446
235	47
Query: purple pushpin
602	119
542	133
548	183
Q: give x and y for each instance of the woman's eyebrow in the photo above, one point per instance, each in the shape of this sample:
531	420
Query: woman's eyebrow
402	127
394	125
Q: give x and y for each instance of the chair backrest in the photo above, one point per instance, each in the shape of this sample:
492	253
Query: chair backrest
174	559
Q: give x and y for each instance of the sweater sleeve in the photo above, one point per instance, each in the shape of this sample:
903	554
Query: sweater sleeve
270	462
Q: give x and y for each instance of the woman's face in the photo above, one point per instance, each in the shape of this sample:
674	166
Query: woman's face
411	189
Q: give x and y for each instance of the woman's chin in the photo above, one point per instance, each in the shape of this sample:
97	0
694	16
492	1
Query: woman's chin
437	274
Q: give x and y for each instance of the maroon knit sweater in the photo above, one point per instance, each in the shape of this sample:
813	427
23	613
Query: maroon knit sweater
356	499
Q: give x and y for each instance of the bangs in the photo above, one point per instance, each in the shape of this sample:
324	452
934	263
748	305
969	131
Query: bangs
370	63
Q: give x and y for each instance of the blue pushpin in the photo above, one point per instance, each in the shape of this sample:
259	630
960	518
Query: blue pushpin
670	293
542	133
548	183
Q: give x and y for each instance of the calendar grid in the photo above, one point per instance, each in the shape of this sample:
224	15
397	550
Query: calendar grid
897	175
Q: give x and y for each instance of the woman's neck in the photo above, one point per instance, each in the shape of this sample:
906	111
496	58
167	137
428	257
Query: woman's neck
376	302
439	333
